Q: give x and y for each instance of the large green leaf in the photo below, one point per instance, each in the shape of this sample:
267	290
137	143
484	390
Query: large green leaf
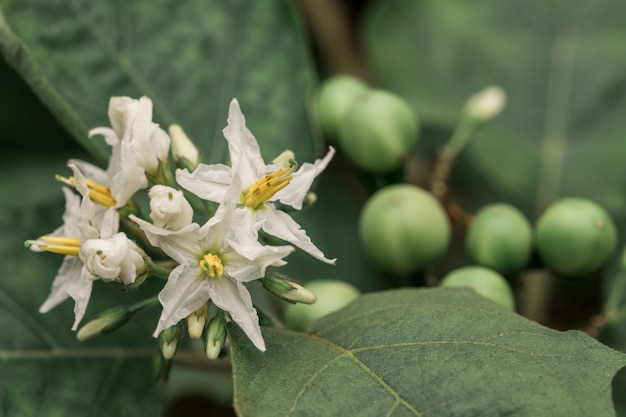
44	370
562	130
423	352
190	58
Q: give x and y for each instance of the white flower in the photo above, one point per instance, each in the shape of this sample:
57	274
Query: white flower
83	221
212	266
114	259
139	140
137	146
261	185
168	208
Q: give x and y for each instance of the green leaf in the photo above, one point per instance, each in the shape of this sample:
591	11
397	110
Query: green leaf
562	130
191	59
417	352
44	370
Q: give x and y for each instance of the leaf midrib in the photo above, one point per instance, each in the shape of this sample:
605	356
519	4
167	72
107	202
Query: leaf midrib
345	353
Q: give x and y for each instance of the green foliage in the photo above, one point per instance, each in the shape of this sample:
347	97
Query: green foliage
191	61
405	352
563	125
411	352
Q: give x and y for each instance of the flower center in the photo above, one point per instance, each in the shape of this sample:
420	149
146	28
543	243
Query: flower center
266	187
60	245
99	193
211	265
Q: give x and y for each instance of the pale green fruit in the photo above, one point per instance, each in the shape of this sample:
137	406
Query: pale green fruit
378	131
575	236
404	228
484	281
501	238
334	96
331	296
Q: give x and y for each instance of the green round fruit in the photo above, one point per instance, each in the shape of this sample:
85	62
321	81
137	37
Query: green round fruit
331	296
484	281
500	237
334	96
403	228
575	236
378	131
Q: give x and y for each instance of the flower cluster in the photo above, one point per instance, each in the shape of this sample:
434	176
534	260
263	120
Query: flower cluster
211	261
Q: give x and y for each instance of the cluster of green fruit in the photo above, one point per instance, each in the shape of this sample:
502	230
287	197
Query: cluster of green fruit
376	129
404	228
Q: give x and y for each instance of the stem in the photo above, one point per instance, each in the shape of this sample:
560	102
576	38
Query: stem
142	305
333	33
555	128
156	269
447	156
612	310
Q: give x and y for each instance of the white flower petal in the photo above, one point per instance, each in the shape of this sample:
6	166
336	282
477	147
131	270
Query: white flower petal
71	267
301	181
209	182
181	245
73	281
122	113
245	154
186	290
234	298
238	263
281	225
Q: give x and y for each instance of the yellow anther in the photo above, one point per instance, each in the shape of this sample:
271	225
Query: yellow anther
60	245
99	193
211	265
266	187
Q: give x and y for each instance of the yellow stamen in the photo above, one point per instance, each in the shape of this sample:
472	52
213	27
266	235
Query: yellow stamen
99	193
61	245
266	187
211	265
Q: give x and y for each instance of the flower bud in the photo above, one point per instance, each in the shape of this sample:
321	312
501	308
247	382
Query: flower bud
169	340
106	322
486	104
215	336
309	199
196	321
284	159
168	208
287	290
114	318
184	151
115	258
161	366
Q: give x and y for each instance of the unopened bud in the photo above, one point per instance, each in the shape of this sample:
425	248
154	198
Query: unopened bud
161	366
215	336
288	290
309	199
184	151
486	104
285	159
196	321
106	322
169	340
169	209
